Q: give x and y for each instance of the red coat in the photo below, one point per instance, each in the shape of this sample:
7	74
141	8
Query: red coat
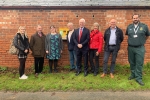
96	40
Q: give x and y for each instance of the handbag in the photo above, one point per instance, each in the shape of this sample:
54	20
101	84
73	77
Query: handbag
13	50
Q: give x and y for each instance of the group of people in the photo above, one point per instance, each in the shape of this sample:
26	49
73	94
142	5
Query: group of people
86	44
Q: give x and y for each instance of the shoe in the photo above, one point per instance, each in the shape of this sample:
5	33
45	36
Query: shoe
140	82
23	77
102	75
85	74
95	74
55	70
111	75
130	78
36	74
77	73
72	69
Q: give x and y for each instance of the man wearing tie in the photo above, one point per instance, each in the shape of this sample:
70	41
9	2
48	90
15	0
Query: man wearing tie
81	39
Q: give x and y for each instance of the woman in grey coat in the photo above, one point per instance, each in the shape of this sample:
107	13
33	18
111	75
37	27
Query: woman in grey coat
53	46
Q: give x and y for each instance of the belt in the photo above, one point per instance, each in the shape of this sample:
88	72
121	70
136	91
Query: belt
136	46
112	45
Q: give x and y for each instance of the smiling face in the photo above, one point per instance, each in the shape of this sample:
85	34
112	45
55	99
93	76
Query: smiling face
112	23
135	19
22	30
81	22
39	29
52	29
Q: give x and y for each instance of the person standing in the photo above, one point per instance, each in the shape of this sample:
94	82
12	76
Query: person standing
137	33
37	46
72	53
81	39
113	37
53	47
96	44
21	42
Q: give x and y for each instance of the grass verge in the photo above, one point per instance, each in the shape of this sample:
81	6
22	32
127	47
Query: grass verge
67	81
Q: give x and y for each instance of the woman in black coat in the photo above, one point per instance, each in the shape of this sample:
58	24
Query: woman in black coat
21	42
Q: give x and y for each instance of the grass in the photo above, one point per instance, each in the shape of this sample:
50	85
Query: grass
67	81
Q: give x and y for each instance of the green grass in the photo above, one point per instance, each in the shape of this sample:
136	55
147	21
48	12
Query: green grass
67	81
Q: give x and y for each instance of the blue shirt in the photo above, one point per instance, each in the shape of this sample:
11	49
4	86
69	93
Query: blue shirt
112	40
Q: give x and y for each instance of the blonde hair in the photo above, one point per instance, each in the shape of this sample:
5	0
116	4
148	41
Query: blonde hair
95	24
20	27
70	23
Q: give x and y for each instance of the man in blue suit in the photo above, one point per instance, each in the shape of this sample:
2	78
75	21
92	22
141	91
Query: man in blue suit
72	53
81	39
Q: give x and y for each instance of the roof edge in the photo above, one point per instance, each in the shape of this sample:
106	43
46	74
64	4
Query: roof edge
74	7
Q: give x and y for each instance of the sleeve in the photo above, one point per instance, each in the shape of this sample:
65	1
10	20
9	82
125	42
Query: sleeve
46	42
74	38
61	42
31	43
27	43
121	35
16	43
126	31
101	42
147	31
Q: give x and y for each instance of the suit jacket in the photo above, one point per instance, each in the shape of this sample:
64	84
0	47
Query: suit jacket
84	40
71	44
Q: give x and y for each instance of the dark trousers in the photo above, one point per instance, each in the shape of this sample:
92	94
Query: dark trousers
92	56
51	64
81	54
136	60
38	63
114	53
22	66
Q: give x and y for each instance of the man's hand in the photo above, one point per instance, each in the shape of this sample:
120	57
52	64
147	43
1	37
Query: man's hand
79	45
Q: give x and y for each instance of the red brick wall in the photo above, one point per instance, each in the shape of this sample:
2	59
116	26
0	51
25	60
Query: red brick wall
10	20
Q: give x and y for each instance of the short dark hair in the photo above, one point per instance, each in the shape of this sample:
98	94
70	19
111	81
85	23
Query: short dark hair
136	14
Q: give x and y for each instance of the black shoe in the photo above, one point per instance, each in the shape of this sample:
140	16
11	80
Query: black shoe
85	74
95	74
130	78
77	73
140	82
55	70
72	69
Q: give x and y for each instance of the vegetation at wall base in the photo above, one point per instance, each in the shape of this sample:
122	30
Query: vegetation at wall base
65	80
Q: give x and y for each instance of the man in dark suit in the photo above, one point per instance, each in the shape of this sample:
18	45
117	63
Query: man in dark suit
81	39
72	53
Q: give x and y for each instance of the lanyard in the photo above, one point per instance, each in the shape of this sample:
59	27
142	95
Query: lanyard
136	29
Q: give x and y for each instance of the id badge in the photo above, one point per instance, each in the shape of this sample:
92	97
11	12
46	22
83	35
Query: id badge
135	36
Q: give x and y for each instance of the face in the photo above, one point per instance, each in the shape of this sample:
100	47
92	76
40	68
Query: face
113	23
52	29
135	19
70	27
22	30
95	27
81	23
39	29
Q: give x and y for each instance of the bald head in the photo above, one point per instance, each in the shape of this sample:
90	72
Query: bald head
70	26
113	23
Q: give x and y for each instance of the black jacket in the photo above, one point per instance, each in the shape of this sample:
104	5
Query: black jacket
71	43
119	38
20	43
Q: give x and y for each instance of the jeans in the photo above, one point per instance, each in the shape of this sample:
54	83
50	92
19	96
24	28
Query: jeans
114	53
38	64
73	59
92	56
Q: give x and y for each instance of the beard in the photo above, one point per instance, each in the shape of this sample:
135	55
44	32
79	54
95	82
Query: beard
136	21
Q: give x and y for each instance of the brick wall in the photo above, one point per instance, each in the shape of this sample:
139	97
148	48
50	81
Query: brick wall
10	20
